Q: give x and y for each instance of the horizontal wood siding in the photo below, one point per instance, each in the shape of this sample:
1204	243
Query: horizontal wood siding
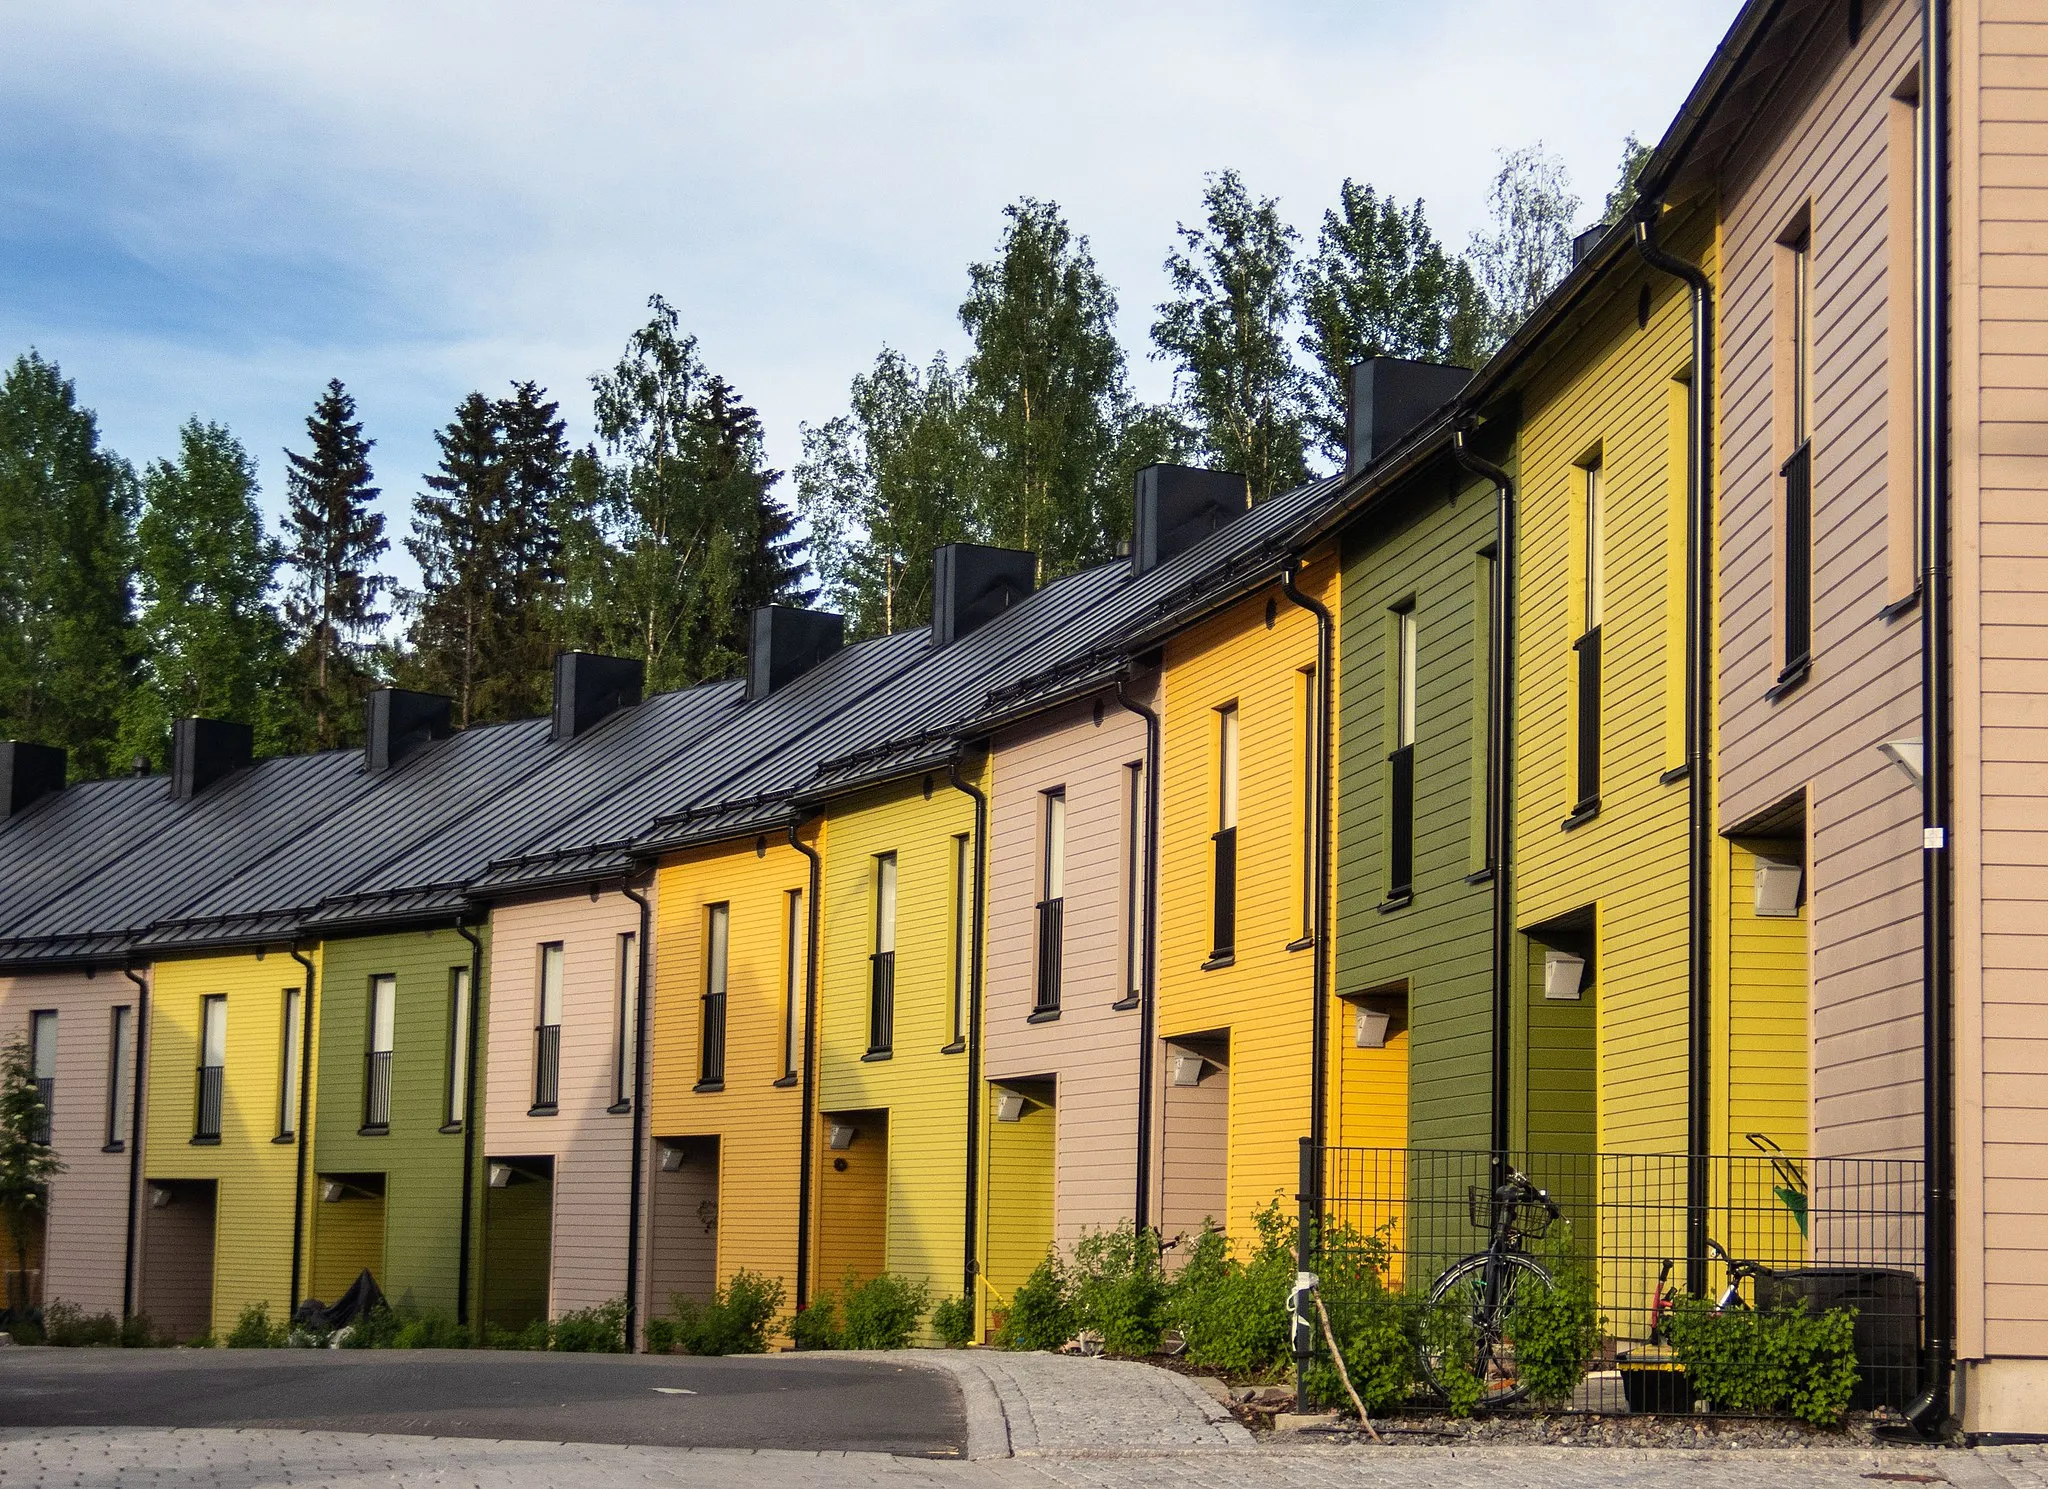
1021	1165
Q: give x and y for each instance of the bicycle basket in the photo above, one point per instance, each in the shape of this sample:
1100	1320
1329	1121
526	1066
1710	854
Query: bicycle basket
1479	1200
1529	1218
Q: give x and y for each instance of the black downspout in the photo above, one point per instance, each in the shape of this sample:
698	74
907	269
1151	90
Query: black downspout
469	1123
806	1137
128	1300
1499	784
1929	1412
1699	732
1319	1017
635	1117
303	1137
1148	945
972	1269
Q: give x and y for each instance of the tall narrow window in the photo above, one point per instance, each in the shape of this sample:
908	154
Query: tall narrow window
42	1049
291	1030
625	1014
792	979
1052	890
213	1059
711	1024
882	972
963	937
1134	879
1483	786
1224	884
1593	606
458	1047
1401	760
547	1032
1311	760
120	1077
1797	471
377	1062
1905	308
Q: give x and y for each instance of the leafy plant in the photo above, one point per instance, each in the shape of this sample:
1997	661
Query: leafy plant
253	1330
533	1336
1777	1359
1232	1311
953	1322
735	1322
26	1163
816	1325
1119	1288
1377	1331
882	1312
65	1323
1556	1330
591	1331
1041	1313
1450	1337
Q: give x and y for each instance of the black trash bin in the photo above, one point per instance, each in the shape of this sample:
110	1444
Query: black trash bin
1887	1305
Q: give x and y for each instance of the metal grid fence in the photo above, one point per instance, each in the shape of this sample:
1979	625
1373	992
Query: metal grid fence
1654	1227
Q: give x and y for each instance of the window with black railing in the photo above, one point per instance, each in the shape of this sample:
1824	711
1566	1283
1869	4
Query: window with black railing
711	1018
46	1094
711	1064
1798	621
1588	649
1223	937
213	1053
882	1003
207	1124
42	1047
1593	613
377	1090
1050	916
547	1033
1401	822
1224	932
1052	888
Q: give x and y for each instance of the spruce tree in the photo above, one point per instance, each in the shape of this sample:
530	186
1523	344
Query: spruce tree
1227	331
333	537
727	448
67	509
530	593
212	644
455	542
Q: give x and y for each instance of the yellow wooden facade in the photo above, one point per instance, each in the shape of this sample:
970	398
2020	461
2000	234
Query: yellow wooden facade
907	1107
255	1171
1252	1013
756	1115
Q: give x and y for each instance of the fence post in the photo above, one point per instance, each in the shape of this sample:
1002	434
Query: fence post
1307	1191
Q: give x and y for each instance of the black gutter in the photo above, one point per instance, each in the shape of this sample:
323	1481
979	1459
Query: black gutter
128	1299
1699	736
971	1268
806	1137
469	1123
1148	945
1929	1412
1500	815
1319	1015
301	1135
639	1161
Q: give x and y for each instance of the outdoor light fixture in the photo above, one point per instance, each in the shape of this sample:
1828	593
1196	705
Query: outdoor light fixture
501	1175
843	1135
1009	1107
1909	755
1777	889
333	1191
1562	974
158	1196
671	1158
1187	1069
1372	1027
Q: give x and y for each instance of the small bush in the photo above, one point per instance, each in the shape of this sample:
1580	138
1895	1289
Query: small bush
1119	1289
1450	1336
254	1330
429	1329
1783	1359
1041	1312
736	1321
1232	1312
1556	1330
1377	1331
816	1325
882	1312
533	1336
23	1325
591	1331
376	1329
138	1331
68	1324
953	1322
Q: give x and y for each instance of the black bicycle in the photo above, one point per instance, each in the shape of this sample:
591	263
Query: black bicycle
1464	1322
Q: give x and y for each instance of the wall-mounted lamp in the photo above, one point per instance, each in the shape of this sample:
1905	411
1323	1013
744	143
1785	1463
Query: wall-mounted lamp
1188	1069
333	1192
1373	1024
671	1158
1009	1107
1910	755
158	1196
842	1136
501	1175
1777	889
1562	975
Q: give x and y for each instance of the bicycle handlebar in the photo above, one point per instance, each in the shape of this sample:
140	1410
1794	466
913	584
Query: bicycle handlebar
1519	1187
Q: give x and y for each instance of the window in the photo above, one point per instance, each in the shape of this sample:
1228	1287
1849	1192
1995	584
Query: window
1795	527
625	1011
711	1026
1311	703
882	974
1134	879
377	1062
42	1050
1593	607
1904	342
213	1058
120	1077
458	1047
547	1033
1483	786
1401	759
963	937
792	979
1225	875
1052	888
289	1034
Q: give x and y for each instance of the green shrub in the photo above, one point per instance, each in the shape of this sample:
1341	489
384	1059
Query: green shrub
1041	1312
138	1331
1783	1359
591	1331
67	1324
1556	1330
1232	1312
736	1321
882	1312
533	1336
1119	1289
1449	1335
816	1325
1378	1331
953	1322
253	1330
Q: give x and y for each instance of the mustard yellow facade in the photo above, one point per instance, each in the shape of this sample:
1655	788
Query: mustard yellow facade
895	1188
253	1165
752	1115
1239	1016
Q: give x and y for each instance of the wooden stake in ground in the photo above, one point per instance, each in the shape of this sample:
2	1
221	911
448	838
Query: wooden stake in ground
1330	1338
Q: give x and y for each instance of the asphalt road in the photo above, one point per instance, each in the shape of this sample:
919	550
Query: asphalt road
811	1402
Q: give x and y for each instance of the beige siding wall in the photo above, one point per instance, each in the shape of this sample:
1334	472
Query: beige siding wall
1823	147
1092	1047
1999	421
591	1146
85	1248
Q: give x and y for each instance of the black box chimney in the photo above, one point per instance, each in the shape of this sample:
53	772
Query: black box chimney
204	750
972	585
1176	506
590	689
396	722
1389	397
785	642
28	773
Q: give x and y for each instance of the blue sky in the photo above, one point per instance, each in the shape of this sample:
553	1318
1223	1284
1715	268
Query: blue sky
213	208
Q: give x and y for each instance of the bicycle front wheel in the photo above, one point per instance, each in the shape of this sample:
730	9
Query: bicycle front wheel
1464	1328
